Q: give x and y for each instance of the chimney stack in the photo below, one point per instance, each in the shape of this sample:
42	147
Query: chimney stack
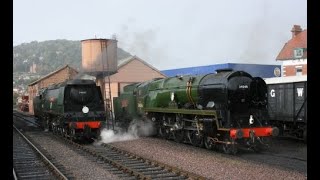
296	29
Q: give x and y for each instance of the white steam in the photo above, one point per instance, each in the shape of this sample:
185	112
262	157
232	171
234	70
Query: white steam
136	129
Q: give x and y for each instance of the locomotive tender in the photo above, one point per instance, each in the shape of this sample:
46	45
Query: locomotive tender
74	108
222	110
287	98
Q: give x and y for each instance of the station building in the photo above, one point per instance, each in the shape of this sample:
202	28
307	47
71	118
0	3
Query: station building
60	75
130	70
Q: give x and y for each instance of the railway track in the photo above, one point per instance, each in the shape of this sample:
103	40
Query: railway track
30	163
121	163
25	118
129	166
151	169
126	165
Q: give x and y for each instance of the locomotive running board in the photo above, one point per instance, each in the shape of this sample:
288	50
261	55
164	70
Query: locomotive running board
183	111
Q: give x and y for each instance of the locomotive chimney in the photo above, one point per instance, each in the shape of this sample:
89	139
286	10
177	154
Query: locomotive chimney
296	29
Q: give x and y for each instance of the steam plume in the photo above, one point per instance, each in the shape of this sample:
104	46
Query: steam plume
136	129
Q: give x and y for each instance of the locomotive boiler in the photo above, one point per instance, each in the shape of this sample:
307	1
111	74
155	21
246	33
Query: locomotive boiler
74	108
223	110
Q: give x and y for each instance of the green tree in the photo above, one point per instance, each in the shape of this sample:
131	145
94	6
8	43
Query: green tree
50	55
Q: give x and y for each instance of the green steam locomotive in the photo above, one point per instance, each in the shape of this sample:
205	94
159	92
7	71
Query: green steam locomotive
223	110
73	109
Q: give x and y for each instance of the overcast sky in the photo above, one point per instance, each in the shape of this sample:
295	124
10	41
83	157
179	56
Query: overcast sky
168	34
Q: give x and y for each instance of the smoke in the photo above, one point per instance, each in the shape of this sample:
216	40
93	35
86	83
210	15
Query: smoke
143	43
137	128
265	36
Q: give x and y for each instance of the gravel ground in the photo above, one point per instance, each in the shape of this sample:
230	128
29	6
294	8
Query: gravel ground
81	167
293	147
210	164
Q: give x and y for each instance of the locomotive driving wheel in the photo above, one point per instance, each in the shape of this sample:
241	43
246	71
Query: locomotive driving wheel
60	130
229	146
64	132
178	135
72	133
164	132
195	138
98	133
262	145
54	129
209	143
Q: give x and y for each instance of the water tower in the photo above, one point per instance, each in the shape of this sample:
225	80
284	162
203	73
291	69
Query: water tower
99	59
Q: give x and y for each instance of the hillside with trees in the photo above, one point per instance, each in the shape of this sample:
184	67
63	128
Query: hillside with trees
50	55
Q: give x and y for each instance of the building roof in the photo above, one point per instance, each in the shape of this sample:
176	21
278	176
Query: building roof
125	61
286	79
52	73
256	70
298	41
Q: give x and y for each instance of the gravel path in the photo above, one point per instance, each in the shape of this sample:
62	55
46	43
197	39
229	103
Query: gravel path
81	167
210	164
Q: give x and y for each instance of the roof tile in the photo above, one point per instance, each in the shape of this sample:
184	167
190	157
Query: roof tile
299	41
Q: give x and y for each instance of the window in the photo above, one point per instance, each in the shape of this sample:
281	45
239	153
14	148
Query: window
298	52
298	71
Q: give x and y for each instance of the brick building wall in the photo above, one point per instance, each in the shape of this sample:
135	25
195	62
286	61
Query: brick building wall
135	70
291	70
290	67
58	76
